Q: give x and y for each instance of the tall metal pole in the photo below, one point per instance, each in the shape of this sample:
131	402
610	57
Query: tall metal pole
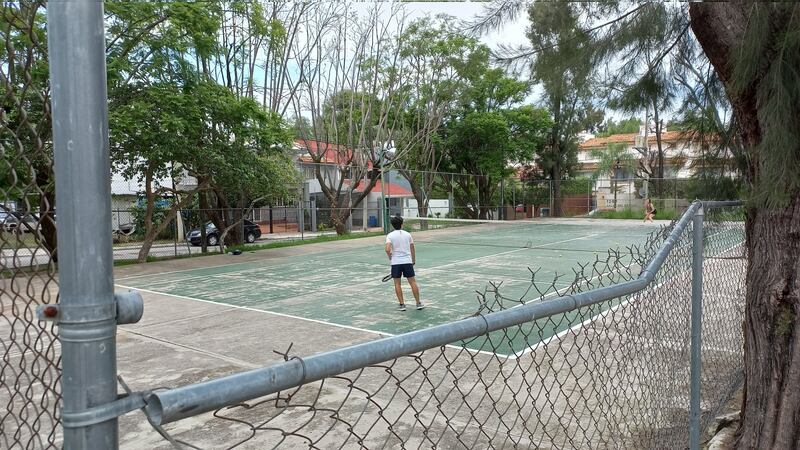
87	326
384	206
697	322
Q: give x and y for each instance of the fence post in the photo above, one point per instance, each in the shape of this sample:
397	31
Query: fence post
313	214
301	218
87	324
271	231
697	323
589	196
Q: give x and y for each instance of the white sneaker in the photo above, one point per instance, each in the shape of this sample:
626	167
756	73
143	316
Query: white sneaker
420	306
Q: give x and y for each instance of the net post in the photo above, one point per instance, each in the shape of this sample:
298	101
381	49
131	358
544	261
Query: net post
696	324
76	44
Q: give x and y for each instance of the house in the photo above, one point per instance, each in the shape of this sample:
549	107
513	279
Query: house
127	193
681	150
393	189
124	198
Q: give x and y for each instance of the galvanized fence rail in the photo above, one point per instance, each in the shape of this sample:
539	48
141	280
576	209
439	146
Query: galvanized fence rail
624	369
640	351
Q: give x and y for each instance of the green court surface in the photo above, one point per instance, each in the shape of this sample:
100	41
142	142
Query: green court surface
343	287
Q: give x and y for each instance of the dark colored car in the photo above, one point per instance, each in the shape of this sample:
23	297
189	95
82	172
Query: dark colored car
251	233
20	222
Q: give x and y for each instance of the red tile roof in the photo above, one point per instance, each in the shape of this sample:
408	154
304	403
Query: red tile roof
629	138
327	152
392	189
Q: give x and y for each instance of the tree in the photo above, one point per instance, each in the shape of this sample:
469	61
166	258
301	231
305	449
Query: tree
610	161
486	133
438	59
624	126
352	89
648	81
563	65
754	49
201	130
25	123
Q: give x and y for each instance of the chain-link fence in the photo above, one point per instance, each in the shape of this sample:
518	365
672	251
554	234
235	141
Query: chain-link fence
421	193
30	391
604	363
328	202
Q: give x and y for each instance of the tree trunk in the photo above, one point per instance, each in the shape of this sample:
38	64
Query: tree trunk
556	178
144	250
659	153
48	230
485	194
203	204
771	405
772	330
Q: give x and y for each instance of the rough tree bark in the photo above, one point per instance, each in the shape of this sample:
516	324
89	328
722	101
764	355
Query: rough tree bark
771	405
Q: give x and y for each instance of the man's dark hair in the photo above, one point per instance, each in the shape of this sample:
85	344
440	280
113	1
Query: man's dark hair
397	222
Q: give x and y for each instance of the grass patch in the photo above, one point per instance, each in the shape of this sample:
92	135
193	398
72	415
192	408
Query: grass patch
628	213
258	247
316	240
128	262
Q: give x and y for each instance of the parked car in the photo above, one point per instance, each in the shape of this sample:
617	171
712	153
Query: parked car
12	220
251	233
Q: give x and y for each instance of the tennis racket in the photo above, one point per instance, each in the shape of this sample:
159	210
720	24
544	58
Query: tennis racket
386	278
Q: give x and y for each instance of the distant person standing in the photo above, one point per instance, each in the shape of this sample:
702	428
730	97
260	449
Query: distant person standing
400	250
649	210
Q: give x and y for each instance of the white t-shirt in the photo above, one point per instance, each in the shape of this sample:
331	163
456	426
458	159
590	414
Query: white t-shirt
401	246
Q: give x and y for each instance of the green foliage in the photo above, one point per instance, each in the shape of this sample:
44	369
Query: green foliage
158	41
624	126
769	57
615	157
563	66
714	188
160	214
161	130
638	214
487	132
576	186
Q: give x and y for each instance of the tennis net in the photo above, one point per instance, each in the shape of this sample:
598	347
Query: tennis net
583	235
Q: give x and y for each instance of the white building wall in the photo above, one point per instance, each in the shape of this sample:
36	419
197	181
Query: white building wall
440	206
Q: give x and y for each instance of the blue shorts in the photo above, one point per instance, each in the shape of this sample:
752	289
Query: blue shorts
406	270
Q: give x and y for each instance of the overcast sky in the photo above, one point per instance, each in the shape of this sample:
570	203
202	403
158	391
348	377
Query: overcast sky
512	33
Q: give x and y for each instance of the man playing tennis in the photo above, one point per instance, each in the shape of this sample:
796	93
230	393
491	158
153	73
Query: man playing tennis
400	250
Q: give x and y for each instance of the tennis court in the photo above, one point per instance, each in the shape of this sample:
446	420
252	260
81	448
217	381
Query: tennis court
341	284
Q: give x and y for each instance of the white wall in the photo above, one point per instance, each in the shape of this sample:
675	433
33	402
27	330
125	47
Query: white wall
121	210
441	206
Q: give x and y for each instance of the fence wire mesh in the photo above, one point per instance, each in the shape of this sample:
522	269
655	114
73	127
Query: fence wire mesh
611	375
30	369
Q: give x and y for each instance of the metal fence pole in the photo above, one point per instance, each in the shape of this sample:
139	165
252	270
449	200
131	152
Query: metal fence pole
301	218
313	214
87	324
697	321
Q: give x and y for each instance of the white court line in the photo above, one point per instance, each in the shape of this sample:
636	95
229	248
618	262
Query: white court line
233	275
347	326
247	308
585	322
183	270
602	314
430	269
510	251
